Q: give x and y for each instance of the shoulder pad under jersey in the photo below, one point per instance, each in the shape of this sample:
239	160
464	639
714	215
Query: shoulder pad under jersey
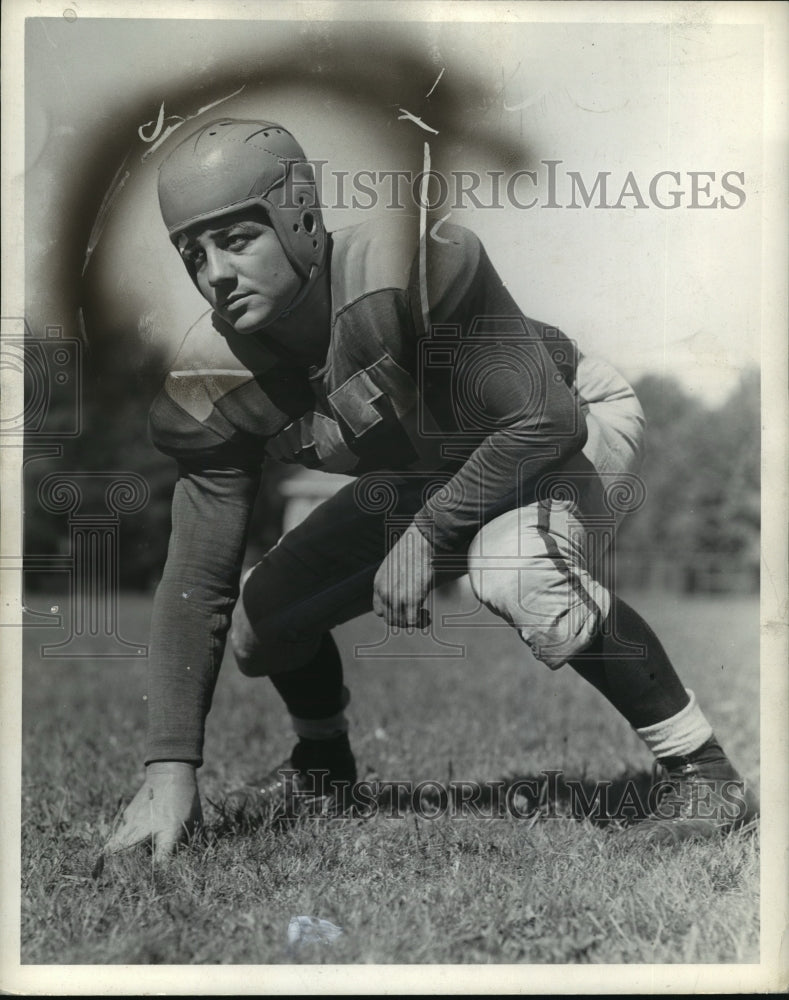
453	255
186	418
375	255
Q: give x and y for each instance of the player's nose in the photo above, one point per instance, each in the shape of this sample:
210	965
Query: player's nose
218	266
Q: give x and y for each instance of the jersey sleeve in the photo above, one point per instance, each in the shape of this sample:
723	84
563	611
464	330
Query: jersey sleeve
193	604
511	412
195	420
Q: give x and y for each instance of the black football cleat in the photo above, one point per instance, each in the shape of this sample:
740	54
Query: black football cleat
316	779
698	797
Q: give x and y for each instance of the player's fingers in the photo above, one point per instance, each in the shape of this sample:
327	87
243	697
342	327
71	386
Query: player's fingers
389	614
407	616
389	604
166	841
126	836
378	604
416	618
403	615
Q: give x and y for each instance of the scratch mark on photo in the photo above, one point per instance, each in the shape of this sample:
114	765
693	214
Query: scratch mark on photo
436	226
182	121
406	115
436	83
115	188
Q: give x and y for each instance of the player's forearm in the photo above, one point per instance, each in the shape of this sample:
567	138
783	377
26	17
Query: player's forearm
193	607
187	644
502	473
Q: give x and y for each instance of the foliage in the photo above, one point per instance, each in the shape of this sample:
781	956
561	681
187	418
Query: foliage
702	474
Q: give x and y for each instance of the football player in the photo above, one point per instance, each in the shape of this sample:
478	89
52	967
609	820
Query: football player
412	369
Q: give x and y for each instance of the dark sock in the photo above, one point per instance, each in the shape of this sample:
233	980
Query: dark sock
645	688
314	691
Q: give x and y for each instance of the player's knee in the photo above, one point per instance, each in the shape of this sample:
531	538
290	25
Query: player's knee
249	656
263	651
556	615
268	645
556	642
260	642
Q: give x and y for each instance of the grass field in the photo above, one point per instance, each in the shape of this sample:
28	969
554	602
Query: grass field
407	889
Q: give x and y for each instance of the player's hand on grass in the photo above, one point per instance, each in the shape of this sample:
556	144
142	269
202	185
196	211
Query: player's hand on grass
166	810
404	580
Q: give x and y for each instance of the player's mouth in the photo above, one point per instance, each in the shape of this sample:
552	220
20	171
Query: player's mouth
236	303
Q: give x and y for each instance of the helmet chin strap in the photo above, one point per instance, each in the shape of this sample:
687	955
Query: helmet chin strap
302	293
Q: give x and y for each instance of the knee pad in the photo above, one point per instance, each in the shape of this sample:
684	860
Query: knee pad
557	614
557	641
529	566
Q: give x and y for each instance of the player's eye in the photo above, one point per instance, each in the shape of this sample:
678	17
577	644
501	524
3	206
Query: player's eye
237	239
193	256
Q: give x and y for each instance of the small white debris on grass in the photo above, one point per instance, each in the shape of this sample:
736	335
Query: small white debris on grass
307	930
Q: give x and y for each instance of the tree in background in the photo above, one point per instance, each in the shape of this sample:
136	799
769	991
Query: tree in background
119	383
699	529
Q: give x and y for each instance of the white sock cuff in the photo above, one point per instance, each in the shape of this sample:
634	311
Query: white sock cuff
323	729
681	734
320	729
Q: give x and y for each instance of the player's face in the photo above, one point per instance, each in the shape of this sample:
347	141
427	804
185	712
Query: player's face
241	270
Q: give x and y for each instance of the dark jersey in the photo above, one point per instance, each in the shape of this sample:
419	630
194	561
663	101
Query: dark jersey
429	369
485	388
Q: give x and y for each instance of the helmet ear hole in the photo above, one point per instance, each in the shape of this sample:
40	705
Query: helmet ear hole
308	221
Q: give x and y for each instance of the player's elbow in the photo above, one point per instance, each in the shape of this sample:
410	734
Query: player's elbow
570	435
579	435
